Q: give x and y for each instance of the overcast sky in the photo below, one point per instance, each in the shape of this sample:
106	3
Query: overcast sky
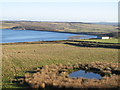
60	10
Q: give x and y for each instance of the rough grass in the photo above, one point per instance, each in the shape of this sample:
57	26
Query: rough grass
60	26
7	25
24	57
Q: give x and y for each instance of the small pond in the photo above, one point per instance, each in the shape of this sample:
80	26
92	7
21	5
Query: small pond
84	74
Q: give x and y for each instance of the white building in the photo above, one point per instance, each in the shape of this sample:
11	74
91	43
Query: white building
105	37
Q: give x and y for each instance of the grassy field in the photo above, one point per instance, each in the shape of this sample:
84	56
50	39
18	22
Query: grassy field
19	58
60	26
7	25
114	40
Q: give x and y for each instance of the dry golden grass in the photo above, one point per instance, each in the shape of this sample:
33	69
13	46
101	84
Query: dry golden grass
61	26
23	57
7	25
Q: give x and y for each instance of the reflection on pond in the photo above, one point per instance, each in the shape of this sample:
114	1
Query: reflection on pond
84	74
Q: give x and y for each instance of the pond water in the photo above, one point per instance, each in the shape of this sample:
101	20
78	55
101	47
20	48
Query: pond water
84	74
10	36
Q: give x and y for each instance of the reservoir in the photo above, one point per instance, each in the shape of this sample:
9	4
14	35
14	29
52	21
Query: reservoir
11	36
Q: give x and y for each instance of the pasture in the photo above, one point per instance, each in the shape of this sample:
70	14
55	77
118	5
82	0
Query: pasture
113	40
19	58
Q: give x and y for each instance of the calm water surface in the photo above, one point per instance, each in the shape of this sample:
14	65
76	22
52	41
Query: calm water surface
84	74
10	36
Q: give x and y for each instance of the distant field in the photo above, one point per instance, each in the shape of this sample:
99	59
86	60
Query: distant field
23	57
7	25
71	27
103	40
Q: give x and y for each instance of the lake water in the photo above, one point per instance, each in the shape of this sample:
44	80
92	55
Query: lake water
10	36
84	74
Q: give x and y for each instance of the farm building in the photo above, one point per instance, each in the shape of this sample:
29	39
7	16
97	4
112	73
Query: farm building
105	37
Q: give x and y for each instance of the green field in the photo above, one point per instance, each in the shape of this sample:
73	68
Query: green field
19	58
114	40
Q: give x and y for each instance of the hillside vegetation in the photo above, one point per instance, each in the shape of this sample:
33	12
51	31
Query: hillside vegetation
71	27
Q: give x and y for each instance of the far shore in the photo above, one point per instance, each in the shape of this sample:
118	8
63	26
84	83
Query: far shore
83	33
64	27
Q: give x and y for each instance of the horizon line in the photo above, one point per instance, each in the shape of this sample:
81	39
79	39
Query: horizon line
60	1
64	21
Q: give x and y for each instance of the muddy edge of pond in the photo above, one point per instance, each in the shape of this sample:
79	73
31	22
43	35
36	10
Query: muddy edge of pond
57	76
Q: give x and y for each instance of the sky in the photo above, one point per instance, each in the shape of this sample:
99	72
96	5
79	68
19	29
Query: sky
60	10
